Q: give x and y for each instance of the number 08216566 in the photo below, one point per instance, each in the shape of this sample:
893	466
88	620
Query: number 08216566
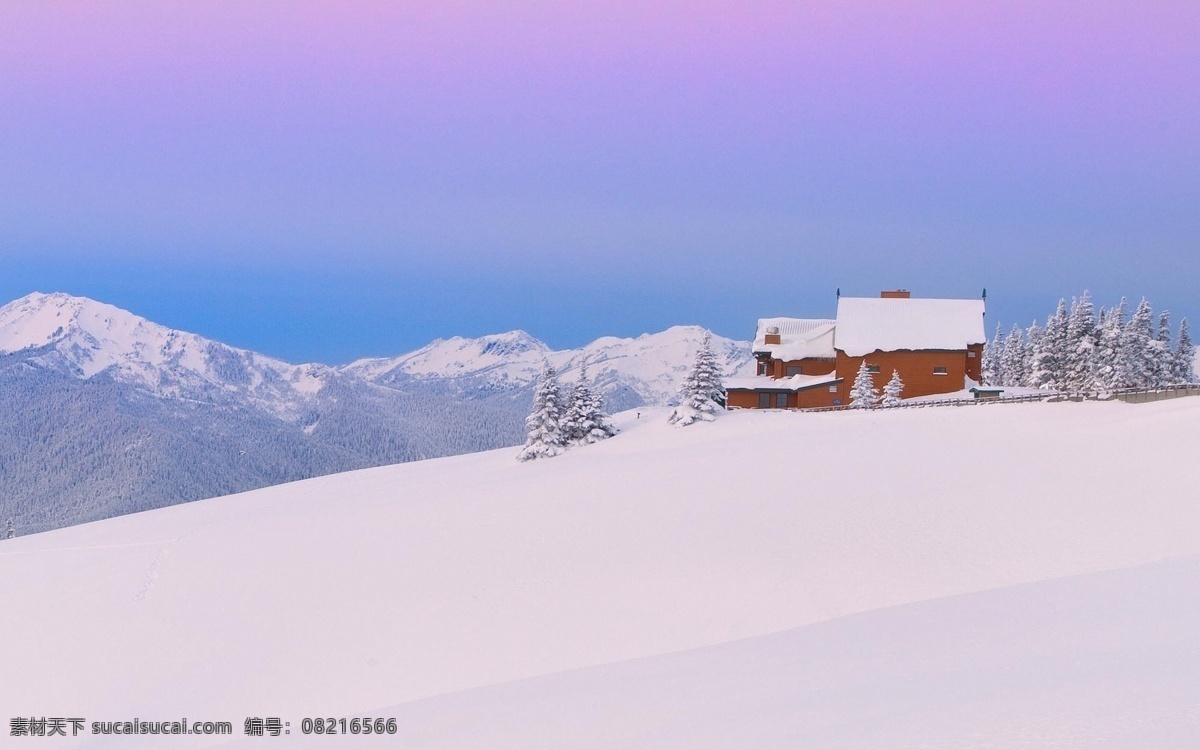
348	726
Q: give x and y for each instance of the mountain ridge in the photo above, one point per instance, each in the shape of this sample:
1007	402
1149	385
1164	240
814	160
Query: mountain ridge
94	337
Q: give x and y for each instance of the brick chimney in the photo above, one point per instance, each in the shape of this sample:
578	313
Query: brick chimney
895	294
772	335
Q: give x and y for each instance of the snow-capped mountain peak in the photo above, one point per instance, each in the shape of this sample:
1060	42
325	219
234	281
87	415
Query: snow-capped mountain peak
86	338
38	320
456	357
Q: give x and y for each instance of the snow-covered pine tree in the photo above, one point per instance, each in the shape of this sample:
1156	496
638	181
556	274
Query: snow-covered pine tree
1134	368
891	391
544	423
1162	360
864	394
709	379
702	394
1079	365
1012	360
1185	355
9	531
1164	327
585	421
1033	347
1049	365
1108	346
992	371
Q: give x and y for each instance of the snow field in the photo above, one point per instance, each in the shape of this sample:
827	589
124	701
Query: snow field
343	594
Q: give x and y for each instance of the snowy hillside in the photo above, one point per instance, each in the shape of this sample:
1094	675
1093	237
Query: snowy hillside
651	365
84	338
767	580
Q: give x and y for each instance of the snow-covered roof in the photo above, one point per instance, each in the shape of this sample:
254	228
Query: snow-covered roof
799	338
793	383
867	324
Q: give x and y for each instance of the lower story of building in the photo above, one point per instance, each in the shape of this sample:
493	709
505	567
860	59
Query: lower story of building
924	373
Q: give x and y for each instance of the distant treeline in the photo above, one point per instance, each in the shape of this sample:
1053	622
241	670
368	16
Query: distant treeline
1082	349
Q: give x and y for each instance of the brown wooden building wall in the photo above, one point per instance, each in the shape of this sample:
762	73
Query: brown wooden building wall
777	368
916	370
809	398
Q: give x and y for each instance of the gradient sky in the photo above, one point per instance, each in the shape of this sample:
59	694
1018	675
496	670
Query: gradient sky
327	180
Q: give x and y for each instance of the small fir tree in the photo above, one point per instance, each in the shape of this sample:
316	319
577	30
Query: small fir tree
544	425
891	391
702	395
1033	345
1079	363
993	353
1185	355
1108	346
1048	364
585	421
1161	360
1134	368
864	394
1012	361
9	531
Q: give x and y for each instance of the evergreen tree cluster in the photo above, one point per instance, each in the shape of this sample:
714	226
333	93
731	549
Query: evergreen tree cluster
1082	349
864	394
559	421
702	395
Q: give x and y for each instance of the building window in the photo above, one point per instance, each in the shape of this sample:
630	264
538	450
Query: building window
780	400
793	370
873	369
971	355
762	368
833	389
939	371
764	401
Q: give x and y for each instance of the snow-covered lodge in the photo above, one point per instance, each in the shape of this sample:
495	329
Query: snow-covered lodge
935	344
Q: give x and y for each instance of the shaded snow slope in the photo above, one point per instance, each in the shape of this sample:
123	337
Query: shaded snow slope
376	588
1102	660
